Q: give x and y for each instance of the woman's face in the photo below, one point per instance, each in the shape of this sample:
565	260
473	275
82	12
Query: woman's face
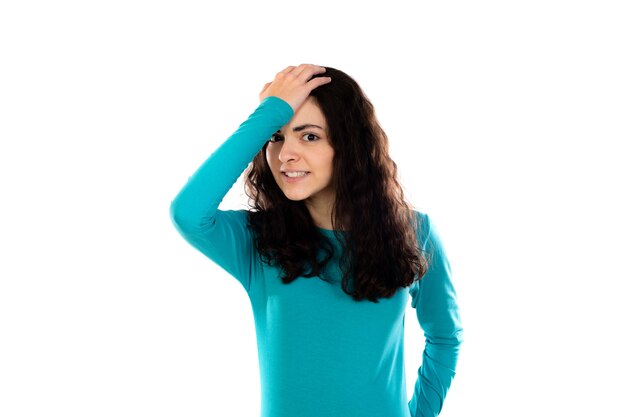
302	146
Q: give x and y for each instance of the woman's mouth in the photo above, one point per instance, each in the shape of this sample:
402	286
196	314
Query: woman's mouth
294	176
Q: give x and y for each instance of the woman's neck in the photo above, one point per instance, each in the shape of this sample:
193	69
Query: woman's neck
320	210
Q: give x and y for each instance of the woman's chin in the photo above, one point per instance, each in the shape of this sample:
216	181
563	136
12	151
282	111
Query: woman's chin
295	198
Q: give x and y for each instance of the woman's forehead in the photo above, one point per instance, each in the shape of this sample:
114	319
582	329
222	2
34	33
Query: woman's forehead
309	114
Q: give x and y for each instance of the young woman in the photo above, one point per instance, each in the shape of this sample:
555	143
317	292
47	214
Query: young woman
329	255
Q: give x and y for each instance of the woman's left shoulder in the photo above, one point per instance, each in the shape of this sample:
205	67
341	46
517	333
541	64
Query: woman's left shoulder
422	219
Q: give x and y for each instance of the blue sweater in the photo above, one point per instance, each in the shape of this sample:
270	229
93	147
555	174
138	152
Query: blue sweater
321	354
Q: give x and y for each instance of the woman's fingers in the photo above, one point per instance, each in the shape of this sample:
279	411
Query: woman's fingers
307	70
316	82
302	71
294	84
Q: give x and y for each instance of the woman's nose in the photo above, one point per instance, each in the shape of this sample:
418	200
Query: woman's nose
288	151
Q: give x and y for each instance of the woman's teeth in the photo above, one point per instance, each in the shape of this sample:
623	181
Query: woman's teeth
296	174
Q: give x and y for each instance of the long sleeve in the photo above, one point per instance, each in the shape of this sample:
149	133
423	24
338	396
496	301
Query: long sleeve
223	236
434	299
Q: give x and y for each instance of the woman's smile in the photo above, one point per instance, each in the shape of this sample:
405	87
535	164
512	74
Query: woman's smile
294	176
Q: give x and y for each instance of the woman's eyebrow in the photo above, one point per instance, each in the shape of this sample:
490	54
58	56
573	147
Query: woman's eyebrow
304	126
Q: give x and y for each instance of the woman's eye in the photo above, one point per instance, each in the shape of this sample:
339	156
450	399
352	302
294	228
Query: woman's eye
275	138
310	137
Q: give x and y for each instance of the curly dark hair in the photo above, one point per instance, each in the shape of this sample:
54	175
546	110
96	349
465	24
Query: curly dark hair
379	252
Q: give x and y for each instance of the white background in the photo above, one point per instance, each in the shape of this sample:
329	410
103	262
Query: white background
506	120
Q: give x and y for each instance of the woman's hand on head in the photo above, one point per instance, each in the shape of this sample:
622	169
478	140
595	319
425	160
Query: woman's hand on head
294	84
